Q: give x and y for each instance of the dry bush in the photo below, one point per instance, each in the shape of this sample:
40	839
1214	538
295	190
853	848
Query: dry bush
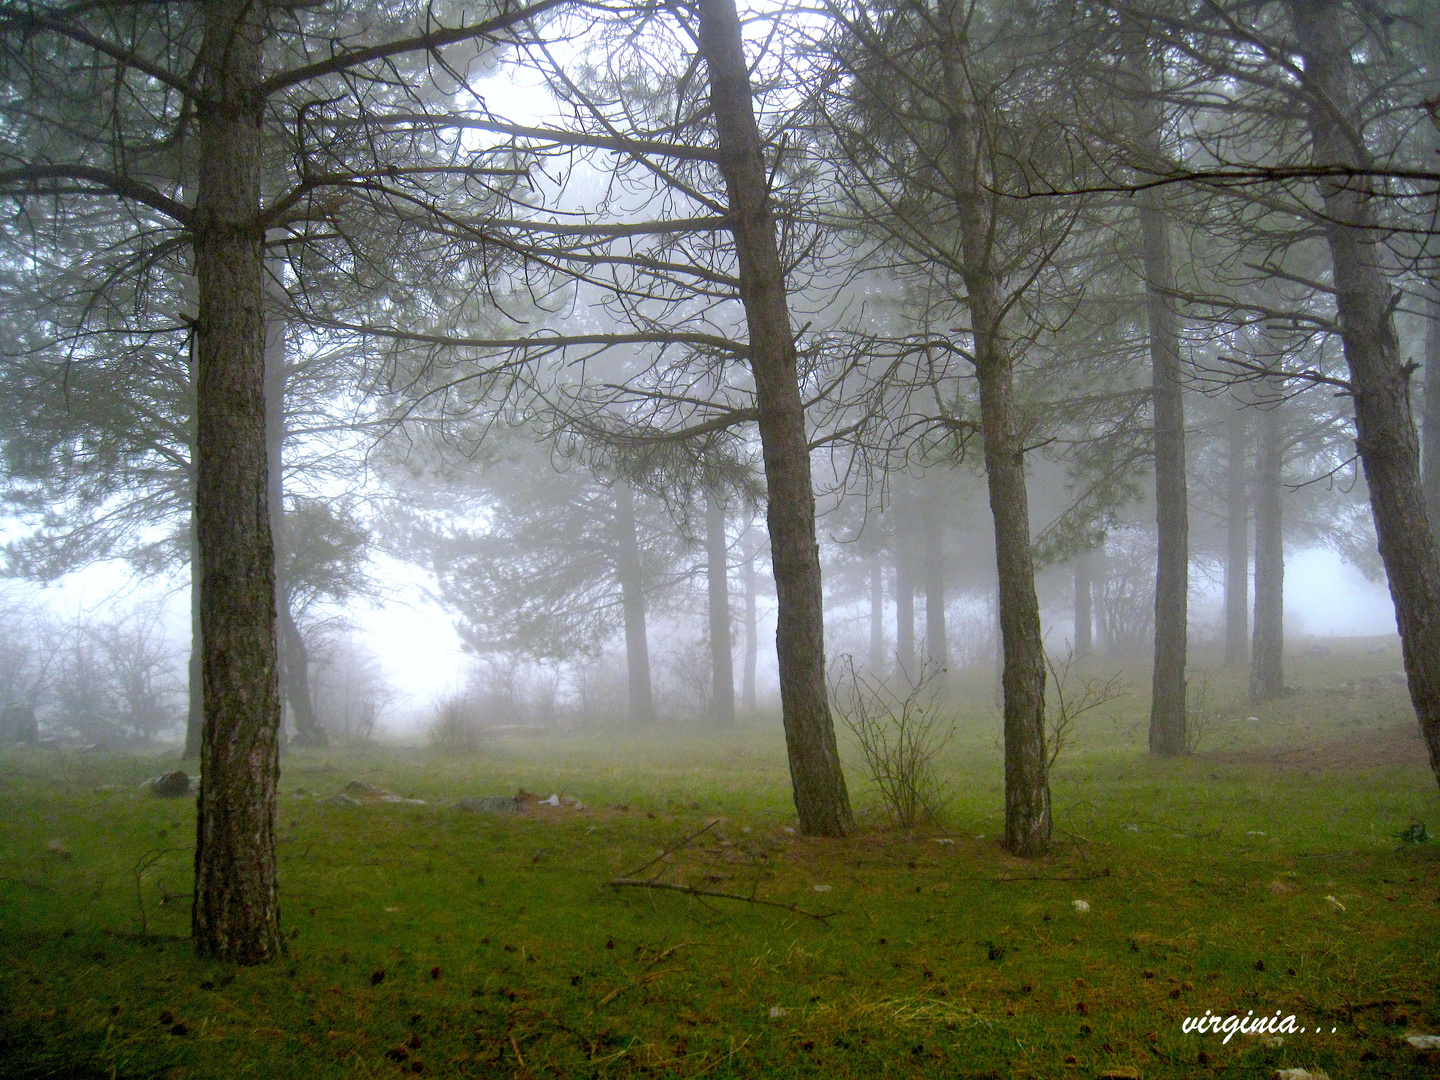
456	728
900	735
1064	706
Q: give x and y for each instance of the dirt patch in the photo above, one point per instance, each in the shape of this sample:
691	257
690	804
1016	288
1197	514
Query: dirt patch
1396	746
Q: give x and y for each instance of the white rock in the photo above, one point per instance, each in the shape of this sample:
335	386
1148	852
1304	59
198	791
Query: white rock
1297	1074
1080	906
553	800
820	888
943	840
1424	1042
776	1012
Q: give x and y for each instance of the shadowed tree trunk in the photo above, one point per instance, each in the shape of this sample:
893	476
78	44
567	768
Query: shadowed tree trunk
1084	612
1430	465
752	629
1267	673
722	668
1386	438
905	667
1027	787
877	616
821	800
236	913
1167	700
632	603
294	656
937	649
1237	549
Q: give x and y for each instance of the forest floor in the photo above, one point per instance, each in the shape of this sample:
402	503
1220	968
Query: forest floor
1267	873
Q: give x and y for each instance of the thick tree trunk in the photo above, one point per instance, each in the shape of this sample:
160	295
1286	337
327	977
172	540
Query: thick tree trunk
722	667
821	800
294	657
937	649
1167	699
236	913
1027	786
1084	612
877	617
1237	549
632	603
1267	672
1430	448
906	670
752	629
1387	441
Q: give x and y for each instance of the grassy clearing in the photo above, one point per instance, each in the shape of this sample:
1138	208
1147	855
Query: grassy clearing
426	939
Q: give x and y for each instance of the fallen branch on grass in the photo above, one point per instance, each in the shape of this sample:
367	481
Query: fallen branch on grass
690	890
672	849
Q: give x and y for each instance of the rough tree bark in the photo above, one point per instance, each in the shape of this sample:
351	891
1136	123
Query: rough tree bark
1084	611
717	575
1430	431
1387	442
632	603
1267	672
821	800
293	655
236	913
905	667
1237	548
937	649
1027	786
195	675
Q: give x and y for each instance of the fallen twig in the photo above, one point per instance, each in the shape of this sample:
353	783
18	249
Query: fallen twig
690	890
671	850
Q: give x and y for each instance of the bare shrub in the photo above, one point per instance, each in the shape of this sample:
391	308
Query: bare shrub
456	728
1198	712
1064	706
899	737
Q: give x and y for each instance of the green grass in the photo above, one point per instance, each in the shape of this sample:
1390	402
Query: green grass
1207	881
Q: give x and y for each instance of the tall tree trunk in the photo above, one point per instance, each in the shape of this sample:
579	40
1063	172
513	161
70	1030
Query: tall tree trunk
1027	786
821	800
752	627
236	913
1430	432
294	657
1167	697
1237	550
937	649
1084	612
722	668
1267	673
1387	442
632	603
877	616
905	667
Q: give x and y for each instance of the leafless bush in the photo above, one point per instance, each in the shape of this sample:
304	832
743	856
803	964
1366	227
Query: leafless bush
1064	706
900	737
1198	713
456	728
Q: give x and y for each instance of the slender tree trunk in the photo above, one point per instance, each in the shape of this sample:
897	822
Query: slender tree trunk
1387	441
877	616
236	913
1237	551
294	657
195	708
821	800
722	669
752	628
1027	786
1084	613
937	649
906	669
632	603
1167	700
1267	673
